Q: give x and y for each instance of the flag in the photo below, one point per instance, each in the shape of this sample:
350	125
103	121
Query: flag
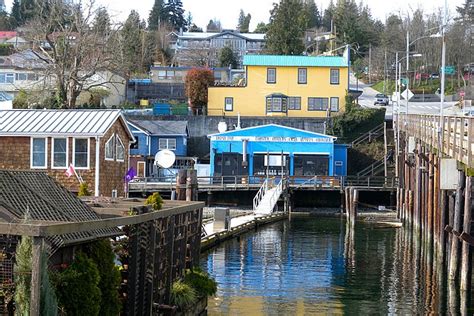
130	175
70	171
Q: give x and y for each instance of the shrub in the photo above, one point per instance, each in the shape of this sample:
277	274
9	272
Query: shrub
78	287
201	282
155	201
84	189
22	270
182	295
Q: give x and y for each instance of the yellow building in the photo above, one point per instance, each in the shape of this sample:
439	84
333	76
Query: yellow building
292	86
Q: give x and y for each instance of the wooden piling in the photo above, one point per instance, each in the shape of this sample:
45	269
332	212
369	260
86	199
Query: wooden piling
454	254
181	185
418	190
466	248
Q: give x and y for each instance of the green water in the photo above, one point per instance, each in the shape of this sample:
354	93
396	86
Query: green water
316	266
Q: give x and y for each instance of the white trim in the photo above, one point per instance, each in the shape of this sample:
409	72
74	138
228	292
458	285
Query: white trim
273	139
52	153
74	153
168	143
112	138
97	166
117	138
312	153
140	130
273	125
270	152
45	153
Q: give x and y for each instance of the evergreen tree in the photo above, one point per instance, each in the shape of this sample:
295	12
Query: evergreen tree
132	42
28	10
101	24
328	16
176	14
48	299
15	16
285	32
214	26
5	21
261	28
346	20
313	17
244	22
158	15
22	270
227	57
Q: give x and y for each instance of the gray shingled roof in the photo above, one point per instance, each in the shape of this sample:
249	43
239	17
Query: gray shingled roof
162	128
58	122
35	193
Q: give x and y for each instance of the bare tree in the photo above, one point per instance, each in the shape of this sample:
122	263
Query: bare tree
76	53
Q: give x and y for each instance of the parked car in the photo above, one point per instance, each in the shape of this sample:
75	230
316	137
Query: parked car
381	99
434	76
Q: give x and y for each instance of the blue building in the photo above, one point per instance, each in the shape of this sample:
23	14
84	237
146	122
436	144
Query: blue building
151	137
273	149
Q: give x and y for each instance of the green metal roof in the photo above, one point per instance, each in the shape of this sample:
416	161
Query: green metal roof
295	61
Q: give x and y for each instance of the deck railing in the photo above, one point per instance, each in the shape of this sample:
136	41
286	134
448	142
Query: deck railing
454	134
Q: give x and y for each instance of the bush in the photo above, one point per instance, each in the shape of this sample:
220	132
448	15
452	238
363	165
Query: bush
84	189
78	287
155	201
182	295
201	282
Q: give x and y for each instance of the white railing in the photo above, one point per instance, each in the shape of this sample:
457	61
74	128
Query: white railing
260	194
276	194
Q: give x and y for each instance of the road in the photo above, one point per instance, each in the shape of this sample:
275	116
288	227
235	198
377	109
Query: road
367	99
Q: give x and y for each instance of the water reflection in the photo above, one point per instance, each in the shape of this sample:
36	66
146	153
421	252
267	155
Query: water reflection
310	266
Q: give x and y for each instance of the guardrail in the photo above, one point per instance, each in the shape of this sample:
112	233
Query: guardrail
454	134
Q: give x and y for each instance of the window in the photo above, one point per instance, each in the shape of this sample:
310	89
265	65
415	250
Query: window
167	143
109	148
7	77
21	77
277	104
135	144
229	104
335	104
119	149
81	153
302	75
162	74
317	104
38	153
32	77
140	169
271	75
334	76
60	149
294	103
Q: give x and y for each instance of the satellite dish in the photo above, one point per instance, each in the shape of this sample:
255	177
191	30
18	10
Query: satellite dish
222	127
165	158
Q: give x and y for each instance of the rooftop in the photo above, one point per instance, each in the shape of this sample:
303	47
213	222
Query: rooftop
158	127
295	61
205	35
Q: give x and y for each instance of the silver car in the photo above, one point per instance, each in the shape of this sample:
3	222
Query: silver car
381	99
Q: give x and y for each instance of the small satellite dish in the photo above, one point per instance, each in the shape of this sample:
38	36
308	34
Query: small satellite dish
222	127
165	158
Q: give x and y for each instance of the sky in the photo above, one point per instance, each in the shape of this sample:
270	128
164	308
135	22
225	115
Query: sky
227	11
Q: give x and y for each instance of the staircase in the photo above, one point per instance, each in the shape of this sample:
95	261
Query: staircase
373	169
369	136
266	198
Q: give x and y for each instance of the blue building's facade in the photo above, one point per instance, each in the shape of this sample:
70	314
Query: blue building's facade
151	137
262	150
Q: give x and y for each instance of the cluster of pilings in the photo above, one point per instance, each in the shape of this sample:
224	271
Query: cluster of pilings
439	217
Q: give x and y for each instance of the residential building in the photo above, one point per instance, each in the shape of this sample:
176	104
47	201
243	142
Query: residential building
269	150
94	142
202	48
153	136
285	86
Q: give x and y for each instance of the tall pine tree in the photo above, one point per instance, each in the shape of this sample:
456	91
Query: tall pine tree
176	14
285	32
313	17
15	15
158	15
132	42
244	22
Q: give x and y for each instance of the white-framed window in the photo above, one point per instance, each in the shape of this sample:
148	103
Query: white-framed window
229	104
277	103
59	153
271	75
81	153
21	77
39	157
317	104
109	148
6	77
140	169
334	76
294	103
167	143
302	75
119	149
334	104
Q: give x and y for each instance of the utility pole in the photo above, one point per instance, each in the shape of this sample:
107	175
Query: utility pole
370	61
408	66
385	73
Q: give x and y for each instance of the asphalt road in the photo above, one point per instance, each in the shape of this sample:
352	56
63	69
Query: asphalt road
367	99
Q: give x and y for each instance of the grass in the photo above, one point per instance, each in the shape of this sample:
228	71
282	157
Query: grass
425	86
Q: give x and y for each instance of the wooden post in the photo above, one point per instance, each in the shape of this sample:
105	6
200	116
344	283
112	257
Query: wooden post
355	201
442	223
436	204
454	255
35	307
466	249
348	202
191	185
429	232
180	185
418	190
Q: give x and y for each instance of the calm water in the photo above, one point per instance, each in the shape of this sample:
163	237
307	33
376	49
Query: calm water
314	265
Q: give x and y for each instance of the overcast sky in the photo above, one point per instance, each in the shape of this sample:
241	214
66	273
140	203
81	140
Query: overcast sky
227	11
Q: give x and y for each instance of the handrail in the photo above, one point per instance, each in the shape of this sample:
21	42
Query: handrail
260	194
374	132
370	169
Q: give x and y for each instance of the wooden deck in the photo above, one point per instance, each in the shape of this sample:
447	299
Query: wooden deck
454	134
246	183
